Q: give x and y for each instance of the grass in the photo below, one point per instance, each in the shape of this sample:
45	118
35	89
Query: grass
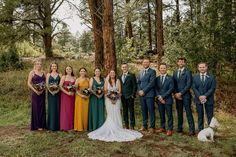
17	140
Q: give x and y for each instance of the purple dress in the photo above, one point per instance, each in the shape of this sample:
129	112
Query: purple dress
67	109
38	113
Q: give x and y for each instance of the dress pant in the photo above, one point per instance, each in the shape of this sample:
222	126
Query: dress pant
180	104
166	108
128	111
209	108
148	106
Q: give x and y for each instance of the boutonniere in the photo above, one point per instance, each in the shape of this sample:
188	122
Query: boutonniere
207	76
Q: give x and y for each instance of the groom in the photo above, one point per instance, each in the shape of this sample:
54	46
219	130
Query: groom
204	87
128	89
146	91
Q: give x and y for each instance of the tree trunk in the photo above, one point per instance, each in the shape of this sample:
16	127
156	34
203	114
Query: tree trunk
191	10
108	36
96	11
149	26
160	39
129	28
177	12
47	27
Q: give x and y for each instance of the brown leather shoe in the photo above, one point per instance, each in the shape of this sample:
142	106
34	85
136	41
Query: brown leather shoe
126	127
191	133
152	130
161	130
143	129
169	133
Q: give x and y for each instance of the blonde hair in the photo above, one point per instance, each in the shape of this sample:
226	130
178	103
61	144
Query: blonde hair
35	61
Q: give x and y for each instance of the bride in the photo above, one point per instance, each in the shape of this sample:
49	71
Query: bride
112	129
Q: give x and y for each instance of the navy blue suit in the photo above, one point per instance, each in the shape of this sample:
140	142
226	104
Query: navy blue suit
146	82
182	85
165	91
207	89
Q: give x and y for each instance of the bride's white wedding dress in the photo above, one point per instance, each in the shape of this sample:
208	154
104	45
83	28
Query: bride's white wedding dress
112	129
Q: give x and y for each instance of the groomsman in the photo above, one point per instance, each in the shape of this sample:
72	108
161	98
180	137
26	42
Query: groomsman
146	91
183	81
204	86
164	86
129	88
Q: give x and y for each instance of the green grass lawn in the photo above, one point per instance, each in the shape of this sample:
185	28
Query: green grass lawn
17	140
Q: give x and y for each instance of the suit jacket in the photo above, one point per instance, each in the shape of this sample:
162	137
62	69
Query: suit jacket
165	90
207	89
147	82
129	86
183	83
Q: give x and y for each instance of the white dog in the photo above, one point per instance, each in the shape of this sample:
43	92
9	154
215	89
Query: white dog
207	135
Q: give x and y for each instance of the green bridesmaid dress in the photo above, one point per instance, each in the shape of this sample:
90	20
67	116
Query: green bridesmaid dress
96	108
53	120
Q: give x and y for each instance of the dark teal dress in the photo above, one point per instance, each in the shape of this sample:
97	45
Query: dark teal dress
96	108
53	121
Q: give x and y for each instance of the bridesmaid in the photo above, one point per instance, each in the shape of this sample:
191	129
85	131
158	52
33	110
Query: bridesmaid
52	82
81	102
96	102
38	113
67	100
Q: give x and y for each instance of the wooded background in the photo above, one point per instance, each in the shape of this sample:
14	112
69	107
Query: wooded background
123	31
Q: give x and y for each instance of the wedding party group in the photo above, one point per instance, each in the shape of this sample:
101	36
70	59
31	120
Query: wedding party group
94	104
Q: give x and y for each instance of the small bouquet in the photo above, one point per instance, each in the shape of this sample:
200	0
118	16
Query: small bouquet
70	87
39	86
53	87
113	96
85	92
98	92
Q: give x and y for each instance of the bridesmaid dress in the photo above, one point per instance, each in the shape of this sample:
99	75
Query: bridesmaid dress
81	109
96	108
38	113
67	109
53	121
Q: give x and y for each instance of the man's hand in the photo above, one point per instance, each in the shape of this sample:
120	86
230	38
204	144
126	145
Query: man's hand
178	96
141	93
202	99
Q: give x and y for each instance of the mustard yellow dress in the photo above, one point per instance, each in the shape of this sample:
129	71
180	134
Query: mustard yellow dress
81	109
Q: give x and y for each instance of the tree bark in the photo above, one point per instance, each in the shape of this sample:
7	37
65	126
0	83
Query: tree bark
160	38
108	36
96	11
149	26
47	27
128	26
177	12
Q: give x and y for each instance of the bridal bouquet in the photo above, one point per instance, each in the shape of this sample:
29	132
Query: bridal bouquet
113	96
39	86
70	87
85	92
53	87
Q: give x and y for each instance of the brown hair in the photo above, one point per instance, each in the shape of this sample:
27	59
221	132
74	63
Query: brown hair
97	68
182	58
84	70
110	78
50	68
72	73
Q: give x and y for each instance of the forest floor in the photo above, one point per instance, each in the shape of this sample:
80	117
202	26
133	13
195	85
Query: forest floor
16	139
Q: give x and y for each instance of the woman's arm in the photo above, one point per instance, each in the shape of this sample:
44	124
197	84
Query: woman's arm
29	83
61	85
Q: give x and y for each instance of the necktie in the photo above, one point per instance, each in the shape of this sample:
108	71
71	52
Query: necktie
203	79
145	72
179	74
124	76
162	79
